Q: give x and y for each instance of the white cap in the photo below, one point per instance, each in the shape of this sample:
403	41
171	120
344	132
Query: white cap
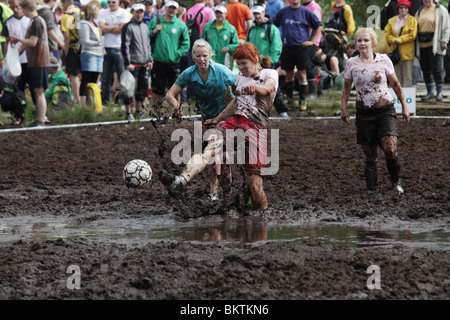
172	4
258	8
138	6
220	8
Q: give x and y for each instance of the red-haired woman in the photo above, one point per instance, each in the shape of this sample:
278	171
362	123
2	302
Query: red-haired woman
255	90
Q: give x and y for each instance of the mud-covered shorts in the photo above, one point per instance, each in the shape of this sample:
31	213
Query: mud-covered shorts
373	124
255	142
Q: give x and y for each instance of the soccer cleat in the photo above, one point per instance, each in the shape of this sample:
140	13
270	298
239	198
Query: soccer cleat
302	104
171	181
213	196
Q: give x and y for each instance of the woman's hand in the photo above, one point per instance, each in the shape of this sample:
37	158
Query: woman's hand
250	89
345	116
405	115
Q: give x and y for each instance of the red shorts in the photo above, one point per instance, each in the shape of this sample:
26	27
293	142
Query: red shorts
256	137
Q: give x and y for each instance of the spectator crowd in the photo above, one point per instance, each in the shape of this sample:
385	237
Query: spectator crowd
74	50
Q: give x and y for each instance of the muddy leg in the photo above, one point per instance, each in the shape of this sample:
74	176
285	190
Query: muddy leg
370	166
214	172
225	178
257	194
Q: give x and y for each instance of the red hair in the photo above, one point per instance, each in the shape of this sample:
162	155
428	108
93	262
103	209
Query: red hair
247	50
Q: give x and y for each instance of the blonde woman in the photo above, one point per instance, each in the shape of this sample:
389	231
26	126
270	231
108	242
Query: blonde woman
401	32
92	48
376	117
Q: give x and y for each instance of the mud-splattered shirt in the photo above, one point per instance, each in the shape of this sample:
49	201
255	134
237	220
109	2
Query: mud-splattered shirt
370	81
255	107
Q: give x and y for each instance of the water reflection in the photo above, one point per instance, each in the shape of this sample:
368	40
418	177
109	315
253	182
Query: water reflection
224	230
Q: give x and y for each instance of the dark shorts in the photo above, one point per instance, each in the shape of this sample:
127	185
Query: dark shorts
164	75
256	145
295	56
372	125
37	78
73	63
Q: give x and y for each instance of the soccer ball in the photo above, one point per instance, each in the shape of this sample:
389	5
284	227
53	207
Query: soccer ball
137	173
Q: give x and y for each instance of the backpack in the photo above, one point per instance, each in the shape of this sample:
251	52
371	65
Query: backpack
337	41
193	27
387	12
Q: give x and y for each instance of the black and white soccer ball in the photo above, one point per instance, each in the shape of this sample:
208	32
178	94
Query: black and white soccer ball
137	173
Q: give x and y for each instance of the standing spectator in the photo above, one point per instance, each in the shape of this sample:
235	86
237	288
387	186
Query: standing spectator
206	14
341	17
69	24
273	6
240	17
296	21
35	44
54	42
159	9
136	52
92	48
210	83
221	35
401	32
266	38
181	12
17	25
148	14
111	21
376	123
171	43
312	72
317	10
433	36
5	13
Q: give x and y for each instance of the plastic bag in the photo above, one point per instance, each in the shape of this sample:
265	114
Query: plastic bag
12	69
127	84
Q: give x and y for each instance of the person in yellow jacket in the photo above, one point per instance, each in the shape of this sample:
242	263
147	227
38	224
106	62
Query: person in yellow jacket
401	31
341	17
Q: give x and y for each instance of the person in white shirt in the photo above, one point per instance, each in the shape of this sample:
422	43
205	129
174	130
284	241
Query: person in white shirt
111	20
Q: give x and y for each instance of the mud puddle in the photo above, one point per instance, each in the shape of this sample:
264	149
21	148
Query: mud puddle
223	230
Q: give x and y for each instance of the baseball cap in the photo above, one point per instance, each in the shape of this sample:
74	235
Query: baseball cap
220	8
138	6
172	4
54	62
258	8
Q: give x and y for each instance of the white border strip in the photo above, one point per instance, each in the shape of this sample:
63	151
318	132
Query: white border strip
192	117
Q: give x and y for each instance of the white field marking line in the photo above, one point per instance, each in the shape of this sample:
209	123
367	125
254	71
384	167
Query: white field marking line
79	125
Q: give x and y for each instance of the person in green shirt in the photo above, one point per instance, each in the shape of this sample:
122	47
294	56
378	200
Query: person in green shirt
170	41
59	93
221	35
5	13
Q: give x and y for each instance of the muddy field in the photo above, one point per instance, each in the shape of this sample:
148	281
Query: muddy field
75	175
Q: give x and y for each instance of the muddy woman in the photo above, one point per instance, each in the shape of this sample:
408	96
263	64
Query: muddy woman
375	113
255	90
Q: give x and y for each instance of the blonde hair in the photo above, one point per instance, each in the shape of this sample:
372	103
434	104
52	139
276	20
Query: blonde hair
371	32
28	4
89	9
202	43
